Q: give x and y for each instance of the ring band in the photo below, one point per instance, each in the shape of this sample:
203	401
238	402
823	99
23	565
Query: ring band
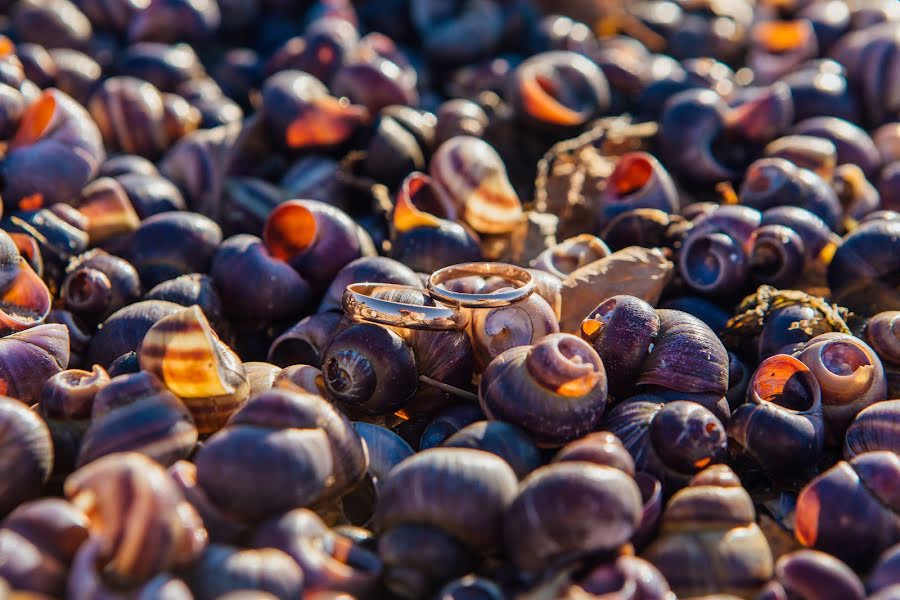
360	305
517	275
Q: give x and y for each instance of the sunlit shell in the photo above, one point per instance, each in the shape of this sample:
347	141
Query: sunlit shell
108	210
473	174
188	357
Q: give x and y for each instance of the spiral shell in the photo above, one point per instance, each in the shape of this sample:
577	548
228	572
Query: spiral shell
525	323
281	450
54	128
710	542
188	357
571	254
882	332
849	373
670	440
555	390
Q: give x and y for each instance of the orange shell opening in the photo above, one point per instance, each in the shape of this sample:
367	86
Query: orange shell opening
406	216
806	525
632	172
290	230
26	302
579	387
590	328
36	120
327	121
6	46
537	97
27	247
782	36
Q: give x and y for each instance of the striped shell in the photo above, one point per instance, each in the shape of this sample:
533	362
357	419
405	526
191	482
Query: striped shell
473	174
188	357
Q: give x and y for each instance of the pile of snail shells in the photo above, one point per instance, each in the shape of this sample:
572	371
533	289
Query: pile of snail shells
700	398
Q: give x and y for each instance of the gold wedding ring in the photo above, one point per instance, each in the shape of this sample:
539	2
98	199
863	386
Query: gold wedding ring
360	305
520	278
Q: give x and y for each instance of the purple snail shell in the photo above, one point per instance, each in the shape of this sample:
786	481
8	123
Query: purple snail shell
559	90
53	129
369	368
474	176
27	451
99	284
460	491
771	182
874	428
686	356
31	357
622	330
317	239
669	440
496	330
713	256
862	272
255	285
310	450
815	574
781	425
569	509
861	518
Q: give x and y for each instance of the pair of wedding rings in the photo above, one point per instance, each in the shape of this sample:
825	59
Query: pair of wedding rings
361	303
